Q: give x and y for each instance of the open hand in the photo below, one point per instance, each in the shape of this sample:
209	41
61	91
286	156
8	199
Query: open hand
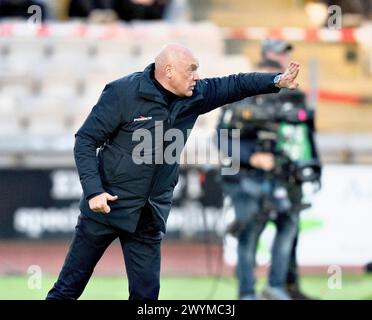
289	76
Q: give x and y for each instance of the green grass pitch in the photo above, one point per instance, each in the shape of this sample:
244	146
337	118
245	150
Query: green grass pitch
186	288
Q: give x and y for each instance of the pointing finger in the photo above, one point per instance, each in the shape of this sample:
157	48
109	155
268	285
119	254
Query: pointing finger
112	198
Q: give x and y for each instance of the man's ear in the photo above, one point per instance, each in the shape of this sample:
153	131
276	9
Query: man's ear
168	71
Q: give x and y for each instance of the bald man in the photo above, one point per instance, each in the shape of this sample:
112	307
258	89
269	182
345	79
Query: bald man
127	186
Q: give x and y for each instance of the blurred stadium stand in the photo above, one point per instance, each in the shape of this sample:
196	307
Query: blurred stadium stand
49	83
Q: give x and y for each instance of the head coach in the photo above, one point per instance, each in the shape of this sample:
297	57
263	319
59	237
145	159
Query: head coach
130	201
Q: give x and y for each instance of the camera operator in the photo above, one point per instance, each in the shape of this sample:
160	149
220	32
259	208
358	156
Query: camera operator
268	186
281	52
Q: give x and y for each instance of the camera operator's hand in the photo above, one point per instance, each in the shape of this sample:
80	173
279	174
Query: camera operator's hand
99	202
262	160
287	79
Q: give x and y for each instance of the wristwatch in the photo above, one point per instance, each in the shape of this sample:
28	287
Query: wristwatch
277	80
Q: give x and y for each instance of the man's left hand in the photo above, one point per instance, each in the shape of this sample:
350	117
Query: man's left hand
289	76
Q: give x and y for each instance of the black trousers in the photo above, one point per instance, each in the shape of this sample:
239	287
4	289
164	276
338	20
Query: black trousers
292	274
295	195
141	251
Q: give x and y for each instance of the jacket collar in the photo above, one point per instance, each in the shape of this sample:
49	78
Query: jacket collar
148	90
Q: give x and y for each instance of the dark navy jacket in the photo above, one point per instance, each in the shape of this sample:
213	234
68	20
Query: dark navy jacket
134	102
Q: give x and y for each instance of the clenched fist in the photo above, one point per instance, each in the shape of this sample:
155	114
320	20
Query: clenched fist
99	203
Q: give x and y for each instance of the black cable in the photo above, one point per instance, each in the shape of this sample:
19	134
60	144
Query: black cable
218	272
218	275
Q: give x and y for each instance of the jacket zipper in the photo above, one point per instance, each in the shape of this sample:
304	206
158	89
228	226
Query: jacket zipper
157	165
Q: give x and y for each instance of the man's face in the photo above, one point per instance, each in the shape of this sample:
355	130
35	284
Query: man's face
283	57
183	76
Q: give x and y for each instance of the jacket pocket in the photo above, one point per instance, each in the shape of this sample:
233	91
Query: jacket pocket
108	161
124	170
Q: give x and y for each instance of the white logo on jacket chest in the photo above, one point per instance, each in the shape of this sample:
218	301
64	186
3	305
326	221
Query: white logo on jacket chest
142	118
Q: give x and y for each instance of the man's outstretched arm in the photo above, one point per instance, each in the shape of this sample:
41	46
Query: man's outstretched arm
220	91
